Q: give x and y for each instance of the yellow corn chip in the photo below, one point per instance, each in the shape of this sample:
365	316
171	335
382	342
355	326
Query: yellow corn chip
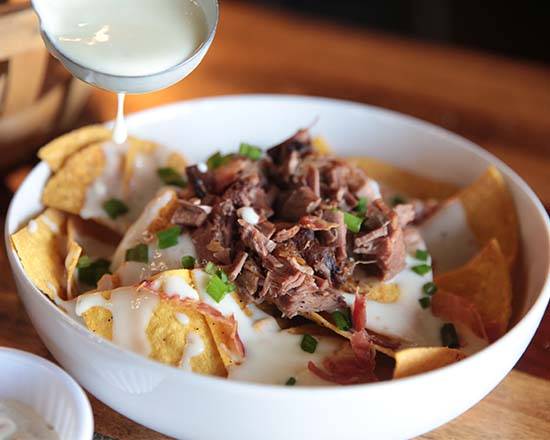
173	328
491	212
321	146
57	151
485	282
39	249
418	360
71	260
66	190
177	162
403	181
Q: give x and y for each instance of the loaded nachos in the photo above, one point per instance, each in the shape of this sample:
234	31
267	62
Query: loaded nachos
287	266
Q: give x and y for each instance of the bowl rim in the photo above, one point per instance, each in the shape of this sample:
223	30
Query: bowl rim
298	392
81	403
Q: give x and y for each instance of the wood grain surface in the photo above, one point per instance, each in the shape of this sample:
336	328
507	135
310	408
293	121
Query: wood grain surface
502	104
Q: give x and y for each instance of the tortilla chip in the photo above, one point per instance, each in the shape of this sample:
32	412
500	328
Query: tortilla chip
403	181
96	240
485	282
177	162
321	146
71	260
491	212
168	338
418	360
39	250
56	152
156	216
66	190
167	335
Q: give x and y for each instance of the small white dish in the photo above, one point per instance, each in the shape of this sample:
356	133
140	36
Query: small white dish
48	390
190	406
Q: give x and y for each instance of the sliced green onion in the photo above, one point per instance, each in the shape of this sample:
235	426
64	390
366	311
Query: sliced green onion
421	269
429	288
449	337
341	320
421	255
211	268
168	237
216	288
291	381
361	207
250	151
397	200
188	262
139	253
93	272
425	302
171	177
83	261
217	160
353	222
115	208
309	343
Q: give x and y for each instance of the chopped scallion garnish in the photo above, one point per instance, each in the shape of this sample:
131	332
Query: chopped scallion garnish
421	269
188	262
250	151
425	302
353	222
218	285
309	343
217	160
171	177
421	255
168	237
429	288
115	208
211	268
397	200
341	320
83	261
449	337
361	207
139	253
291	381
93	272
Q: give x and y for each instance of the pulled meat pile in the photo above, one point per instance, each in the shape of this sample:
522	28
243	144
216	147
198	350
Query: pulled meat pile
293	248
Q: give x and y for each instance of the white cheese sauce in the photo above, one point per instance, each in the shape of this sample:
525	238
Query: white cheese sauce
272	355
126	37
193	347
32	227
120	132
449	237
131	310
21	422
248	215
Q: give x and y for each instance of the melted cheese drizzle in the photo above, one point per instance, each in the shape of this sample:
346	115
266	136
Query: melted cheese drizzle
193	347
20	422
272	355
131	312
448	236
120	132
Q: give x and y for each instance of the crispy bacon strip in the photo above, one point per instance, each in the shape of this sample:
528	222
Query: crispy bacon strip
359	316
458	309
229	326
349	366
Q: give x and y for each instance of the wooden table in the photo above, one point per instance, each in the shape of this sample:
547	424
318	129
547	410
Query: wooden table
503	105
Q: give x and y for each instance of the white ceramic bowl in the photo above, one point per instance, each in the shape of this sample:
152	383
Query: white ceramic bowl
48	390
185	405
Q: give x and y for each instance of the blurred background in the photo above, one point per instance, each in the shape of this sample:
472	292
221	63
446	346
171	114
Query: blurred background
519	29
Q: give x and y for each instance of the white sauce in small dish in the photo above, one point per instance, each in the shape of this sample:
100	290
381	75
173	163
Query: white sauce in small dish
20	422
